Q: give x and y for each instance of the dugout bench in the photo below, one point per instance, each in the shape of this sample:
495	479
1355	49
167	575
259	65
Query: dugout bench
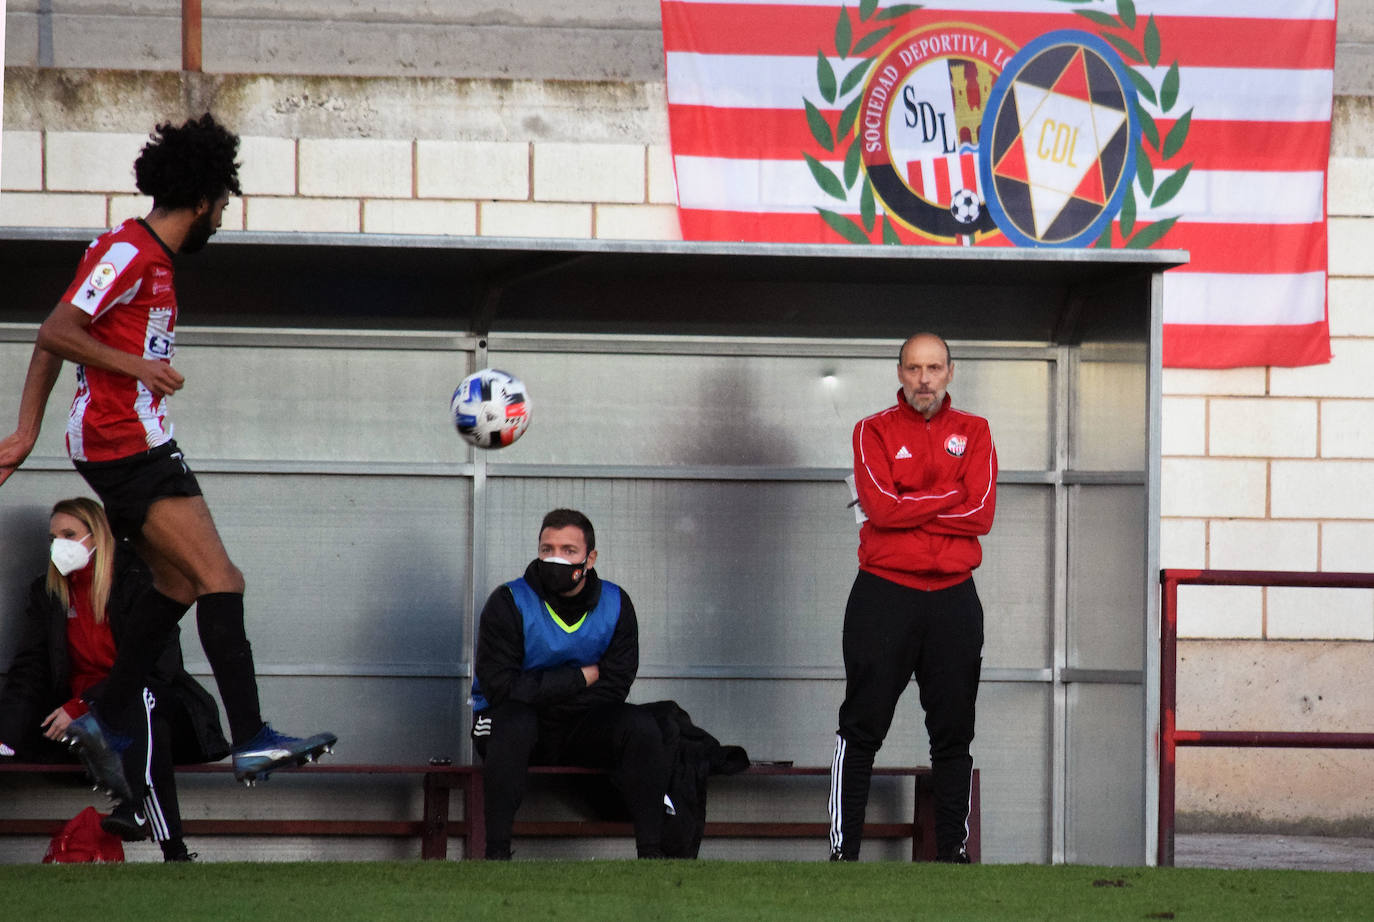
436	826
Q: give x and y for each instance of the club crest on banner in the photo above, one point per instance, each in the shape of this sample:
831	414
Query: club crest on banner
1060	135
920	123
951	133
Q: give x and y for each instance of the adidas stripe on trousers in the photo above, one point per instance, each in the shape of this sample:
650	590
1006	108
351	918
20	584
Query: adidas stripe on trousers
893	633
148	765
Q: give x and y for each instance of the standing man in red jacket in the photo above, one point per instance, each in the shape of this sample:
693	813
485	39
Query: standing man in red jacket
926	476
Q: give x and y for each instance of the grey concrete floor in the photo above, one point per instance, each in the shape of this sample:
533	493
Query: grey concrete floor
1307	853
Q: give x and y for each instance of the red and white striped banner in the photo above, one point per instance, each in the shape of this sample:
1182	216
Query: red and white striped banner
769	106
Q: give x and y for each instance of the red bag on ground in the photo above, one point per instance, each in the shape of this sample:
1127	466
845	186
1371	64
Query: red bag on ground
82	839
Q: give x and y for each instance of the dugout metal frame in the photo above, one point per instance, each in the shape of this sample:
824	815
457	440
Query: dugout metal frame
1077	782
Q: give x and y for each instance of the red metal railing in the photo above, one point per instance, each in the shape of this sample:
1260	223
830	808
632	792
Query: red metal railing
1170	737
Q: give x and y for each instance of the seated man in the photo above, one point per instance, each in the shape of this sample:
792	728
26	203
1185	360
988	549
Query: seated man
556	652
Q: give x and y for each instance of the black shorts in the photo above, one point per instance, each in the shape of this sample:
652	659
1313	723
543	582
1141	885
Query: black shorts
128	486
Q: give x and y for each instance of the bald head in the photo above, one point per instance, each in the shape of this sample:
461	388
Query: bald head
925	369
901	353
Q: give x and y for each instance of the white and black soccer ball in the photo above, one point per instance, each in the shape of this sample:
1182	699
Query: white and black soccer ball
490	408
964	206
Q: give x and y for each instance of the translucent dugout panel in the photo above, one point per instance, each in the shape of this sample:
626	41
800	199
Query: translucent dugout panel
1105	774
721	573
403	719
1106	585
702	409
347	573
1012	748
1109	423
317	404
1016	581
1016	399
14	361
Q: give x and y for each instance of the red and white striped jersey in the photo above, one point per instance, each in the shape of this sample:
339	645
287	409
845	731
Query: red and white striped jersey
124	283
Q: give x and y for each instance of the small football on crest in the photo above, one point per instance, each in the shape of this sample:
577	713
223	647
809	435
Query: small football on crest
964	206
490	408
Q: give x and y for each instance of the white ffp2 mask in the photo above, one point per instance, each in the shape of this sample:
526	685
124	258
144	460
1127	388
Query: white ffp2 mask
69	555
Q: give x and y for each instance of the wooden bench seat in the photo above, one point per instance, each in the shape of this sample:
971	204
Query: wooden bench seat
437	826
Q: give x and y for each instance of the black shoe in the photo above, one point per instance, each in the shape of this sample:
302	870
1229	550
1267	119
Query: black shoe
841	856
498	851
958	856
99	749
127	822
175	850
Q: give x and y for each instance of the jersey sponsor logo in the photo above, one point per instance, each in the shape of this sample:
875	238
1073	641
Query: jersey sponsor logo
902	454
955	445
159	346
161	341
162	280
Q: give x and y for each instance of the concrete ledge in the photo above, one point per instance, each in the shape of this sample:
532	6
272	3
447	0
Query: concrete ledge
526	39
301	107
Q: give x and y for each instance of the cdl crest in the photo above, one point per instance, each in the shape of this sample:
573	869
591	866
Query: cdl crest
1059	134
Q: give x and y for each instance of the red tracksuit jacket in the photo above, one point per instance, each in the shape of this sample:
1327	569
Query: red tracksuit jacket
929	489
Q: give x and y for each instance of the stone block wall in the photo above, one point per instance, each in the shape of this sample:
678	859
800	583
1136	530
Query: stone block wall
447	177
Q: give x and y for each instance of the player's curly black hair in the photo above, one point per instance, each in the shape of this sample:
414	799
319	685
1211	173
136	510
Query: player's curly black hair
181	166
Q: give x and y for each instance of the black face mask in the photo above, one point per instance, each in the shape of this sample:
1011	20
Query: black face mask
559	576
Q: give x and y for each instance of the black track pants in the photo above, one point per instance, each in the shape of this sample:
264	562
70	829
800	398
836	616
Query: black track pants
148	767
892	633
624	739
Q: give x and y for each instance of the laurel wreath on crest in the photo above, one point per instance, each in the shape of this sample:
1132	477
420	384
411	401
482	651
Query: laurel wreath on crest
1117	30
1165	96
832	88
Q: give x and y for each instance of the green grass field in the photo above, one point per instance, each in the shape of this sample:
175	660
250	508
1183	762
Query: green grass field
713	891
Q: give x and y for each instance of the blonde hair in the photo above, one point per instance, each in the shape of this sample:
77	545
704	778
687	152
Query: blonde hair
92	515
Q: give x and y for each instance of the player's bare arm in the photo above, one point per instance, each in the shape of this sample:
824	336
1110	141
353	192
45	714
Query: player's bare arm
65	333
44	367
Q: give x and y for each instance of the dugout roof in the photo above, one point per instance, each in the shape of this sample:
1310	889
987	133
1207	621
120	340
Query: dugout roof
484	284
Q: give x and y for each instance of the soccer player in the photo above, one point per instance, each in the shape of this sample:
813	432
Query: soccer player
926	476
116	321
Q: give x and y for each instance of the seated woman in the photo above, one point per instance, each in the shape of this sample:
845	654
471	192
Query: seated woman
70	632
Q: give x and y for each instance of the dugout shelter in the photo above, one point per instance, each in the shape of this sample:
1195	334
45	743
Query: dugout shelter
696	400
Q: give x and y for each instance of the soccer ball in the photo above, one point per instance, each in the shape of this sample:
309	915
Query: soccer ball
964	207
490	409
